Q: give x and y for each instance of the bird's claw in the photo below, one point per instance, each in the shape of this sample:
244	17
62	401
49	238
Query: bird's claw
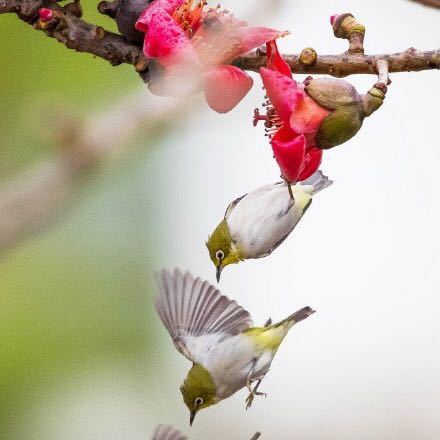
249	400
252	394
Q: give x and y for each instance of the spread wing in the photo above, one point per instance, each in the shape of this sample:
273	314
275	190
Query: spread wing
164	432
196	314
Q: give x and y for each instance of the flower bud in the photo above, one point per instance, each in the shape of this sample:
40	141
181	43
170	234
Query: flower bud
348	109
45	14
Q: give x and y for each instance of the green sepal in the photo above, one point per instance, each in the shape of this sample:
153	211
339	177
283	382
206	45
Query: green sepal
339	126
372	100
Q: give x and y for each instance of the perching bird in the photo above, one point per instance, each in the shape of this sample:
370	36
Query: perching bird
216	334
165	432
255	224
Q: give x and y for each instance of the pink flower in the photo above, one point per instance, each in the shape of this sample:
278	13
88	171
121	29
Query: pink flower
193	46
292	119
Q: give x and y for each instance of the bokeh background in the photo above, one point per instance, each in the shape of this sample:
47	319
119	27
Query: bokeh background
83	355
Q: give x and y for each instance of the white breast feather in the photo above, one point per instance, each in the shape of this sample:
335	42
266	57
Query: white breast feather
232	360
262	218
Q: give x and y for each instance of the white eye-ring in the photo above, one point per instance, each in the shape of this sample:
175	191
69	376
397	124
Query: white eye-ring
219	255
198	401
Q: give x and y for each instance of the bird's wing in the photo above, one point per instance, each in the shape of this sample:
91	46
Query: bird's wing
164	432
232	205
196	314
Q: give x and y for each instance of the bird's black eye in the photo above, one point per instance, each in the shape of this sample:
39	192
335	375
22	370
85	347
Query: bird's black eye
219	255
198	401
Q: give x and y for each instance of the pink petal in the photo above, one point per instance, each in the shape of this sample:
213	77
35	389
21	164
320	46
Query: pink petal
311	162
225	87
275	61
308	116
252	37
165	5
289	150
284	92
166	41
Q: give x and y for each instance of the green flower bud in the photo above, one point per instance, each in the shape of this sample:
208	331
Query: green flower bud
348	109
332	92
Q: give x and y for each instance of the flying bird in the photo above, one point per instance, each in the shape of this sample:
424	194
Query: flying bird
217	335
165	432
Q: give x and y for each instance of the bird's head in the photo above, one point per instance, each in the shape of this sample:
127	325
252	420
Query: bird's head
198	390
222	249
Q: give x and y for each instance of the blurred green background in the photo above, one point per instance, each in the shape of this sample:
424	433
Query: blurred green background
74	298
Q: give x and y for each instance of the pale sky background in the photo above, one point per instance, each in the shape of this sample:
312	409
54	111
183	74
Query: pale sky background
365	256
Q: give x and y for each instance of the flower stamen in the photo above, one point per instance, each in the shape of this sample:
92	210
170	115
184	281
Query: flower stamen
189	16
272	121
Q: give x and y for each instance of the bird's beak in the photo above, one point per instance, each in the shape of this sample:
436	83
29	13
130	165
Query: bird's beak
218	273
192	416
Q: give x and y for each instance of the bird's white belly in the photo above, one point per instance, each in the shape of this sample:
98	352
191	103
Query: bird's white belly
232	363
261	236
261	221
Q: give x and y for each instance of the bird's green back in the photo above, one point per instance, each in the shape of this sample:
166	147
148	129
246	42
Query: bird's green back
269	338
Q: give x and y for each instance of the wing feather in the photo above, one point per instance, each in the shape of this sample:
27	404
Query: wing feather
164	432
192	309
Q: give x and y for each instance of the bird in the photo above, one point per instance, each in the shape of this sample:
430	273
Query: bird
217	335
255	224
166	432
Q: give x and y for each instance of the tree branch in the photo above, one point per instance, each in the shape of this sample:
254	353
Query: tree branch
77	34
432	3
346	64
74	32
37	198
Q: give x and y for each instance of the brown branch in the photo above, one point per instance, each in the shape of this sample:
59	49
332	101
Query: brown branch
432	3
77	34
346	64
37	198
74	32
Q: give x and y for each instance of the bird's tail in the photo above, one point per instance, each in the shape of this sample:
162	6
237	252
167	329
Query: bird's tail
275	333
318	181
298	316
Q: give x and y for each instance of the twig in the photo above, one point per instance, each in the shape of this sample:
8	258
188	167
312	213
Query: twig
383	76
36	198
342	65
74	32
432	3
77	34
256	436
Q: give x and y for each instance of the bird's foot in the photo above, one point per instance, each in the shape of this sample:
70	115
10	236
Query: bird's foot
250	398
252	393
